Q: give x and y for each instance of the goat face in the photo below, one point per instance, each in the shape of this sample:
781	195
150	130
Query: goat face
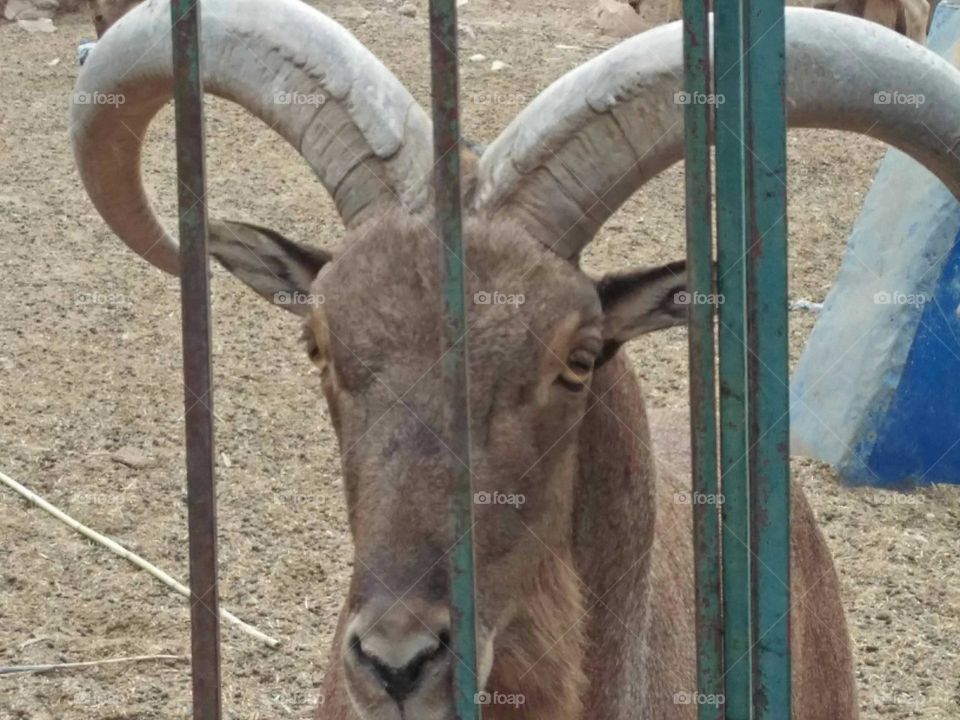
537	326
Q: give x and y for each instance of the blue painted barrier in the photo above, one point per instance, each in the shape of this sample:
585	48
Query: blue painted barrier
877	390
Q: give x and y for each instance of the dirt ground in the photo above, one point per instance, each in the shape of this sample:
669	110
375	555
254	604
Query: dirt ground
90	364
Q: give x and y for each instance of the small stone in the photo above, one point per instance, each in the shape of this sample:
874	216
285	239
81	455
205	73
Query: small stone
41	25
498	65
14	8
617	19
477	58
408	10
132	457
355	13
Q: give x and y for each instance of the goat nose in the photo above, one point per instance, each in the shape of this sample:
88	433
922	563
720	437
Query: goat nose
401	647
401	674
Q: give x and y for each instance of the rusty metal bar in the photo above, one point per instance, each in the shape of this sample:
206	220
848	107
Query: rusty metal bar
197	375
446	136
703	432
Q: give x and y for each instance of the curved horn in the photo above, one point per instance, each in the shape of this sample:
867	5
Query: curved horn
304	75
595	136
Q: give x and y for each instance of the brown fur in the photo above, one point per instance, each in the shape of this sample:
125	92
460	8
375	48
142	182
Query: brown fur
599	595
910	18
585	590
824	685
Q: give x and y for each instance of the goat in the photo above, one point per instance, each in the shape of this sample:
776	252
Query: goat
585	589
910	18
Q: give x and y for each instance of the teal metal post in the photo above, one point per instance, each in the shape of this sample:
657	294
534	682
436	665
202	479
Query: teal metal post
446	132
731	259
706	530
767	361
748	109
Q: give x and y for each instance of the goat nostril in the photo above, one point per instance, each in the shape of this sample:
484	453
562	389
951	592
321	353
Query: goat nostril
400	682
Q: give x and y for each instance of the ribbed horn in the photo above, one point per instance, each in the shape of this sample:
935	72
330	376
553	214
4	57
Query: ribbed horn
595	136
300	72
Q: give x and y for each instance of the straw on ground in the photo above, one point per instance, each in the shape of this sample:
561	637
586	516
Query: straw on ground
14	669
118	549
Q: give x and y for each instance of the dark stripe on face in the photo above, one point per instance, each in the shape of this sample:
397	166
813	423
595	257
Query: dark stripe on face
314	257
615	287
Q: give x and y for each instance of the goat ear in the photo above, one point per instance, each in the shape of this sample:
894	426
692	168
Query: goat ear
642	300
278	269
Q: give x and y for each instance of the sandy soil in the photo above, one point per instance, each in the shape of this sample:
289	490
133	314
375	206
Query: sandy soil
89	364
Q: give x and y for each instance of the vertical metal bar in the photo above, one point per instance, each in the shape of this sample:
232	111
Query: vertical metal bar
734	461
697	111
446	135
767	362
197	380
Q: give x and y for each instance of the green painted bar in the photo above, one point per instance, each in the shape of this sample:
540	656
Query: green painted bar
706	520
767	362
446	132
731	246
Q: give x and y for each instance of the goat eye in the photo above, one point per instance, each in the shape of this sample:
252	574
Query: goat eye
576	371
317	355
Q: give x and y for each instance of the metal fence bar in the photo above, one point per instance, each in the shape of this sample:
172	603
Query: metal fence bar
767	360
706	531
731	250
446	136
197	376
